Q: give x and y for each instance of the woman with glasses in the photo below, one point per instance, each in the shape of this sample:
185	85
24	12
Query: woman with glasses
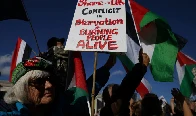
33	90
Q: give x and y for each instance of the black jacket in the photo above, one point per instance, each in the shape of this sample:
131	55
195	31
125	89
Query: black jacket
120	101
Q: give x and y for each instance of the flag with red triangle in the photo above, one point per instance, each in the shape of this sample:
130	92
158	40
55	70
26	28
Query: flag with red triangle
186	69
78	88
156	38
22	52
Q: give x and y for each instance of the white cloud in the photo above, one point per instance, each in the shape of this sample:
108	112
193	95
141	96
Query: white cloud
118	72
5	70
5	59
5	62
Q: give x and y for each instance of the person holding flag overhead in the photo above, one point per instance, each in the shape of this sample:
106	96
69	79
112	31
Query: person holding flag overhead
117	97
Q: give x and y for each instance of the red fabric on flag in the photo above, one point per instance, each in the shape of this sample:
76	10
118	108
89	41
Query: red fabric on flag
80	74
138	13
184	59
14	57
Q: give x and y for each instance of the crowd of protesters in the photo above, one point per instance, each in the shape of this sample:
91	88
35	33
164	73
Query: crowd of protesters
34	91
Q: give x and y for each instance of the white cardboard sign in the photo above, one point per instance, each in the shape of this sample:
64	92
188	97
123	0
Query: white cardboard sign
98	25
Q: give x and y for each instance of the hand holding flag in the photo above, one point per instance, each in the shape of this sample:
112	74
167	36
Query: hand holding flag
143	58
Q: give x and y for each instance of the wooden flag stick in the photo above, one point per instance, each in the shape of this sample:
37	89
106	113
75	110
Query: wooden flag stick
93	88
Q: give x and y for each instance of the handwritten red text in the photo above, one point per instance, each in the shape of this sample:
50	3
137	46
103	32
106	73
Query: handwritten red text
117	2
86	3
103	22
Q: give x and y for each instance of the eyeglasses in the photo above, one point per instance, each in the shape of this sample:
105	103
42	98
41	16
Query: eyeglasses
40	82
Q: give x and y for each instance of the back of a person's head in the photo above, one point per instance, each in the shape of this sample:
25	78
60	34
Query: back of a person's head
136	108
151	105
166	110
52	42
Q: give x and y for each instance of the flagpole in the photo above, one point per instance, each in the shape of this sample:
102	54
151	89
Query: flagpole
134	22
93	88
31	27
34	52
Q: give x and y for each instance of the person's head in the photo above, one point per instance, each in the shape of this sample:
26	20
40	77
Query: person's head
191	103
60	42
54	41
110	90
151	105
136	108
32	83
166	109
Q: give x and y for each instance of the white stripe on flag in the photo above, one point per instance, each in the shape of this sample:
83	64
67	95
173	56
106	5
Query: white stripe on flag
147	85
133	53
73	82
21	52
180	71
132	50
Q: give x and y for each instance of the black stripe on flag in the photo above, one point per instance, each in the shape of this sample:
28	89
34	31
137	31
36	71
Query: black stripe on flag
27	52
131	32
181	41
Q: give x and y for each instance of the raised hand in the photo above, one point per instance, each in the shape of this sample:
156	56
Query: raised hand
143	58
177	95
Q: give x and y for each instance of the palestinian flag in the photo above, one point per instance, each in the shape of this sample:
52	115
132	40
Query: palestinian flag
130	58
22	52
157	40
77	90
12	9
185	67
144	88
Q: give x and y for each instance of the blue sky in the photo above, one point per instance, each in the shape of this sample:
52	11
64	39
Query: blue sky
53	18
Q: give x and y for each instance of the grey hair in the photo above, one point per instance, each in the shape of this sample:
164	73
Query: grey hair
18	93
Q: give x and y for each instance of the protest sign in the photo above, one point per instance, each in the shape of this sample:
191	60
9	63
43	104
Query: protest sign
98	25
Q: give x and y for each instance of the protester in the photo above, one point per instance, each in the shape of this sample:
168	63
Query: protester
136	108
192	105
166	110
102	77
54	41
184	109
33	92
151	106
59	57
116	97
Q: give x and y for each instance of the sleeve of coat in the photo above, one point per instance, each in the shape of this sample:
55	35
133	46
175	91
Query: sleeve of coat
102	77
127	89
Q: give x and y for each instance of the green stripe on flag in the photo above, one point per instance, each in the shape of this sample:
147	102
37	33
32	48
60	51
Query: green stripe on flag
149	17
126	61
78	93
187	80
164	55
